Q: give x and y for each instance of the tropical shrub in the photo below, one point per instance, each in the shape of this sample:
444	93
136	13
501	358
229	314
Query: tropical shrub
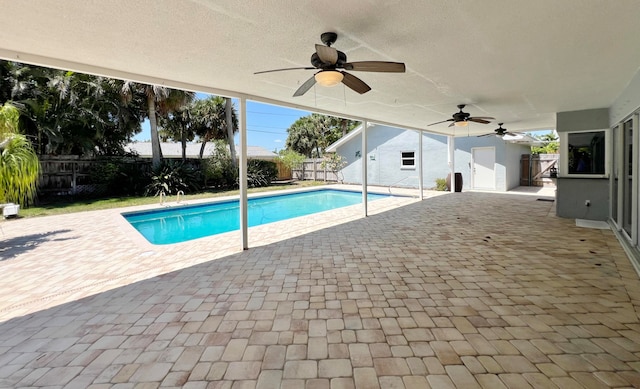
441	184
291	159
19	165
218	169
122	176
334	163
170	178
260	173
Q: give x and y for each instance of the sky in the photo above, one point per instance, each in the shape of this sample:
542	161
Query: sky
266	124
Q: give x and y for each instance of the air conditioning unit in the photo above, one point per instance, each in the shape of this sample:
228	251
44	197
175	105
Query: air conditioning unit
10	209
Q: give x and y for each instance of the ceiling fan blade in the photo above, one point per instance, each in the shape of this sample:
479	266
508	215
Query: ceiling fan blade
452	124
355	83
281	70
478	120
444	121
480	136
305	87
376	66
484	117
327	54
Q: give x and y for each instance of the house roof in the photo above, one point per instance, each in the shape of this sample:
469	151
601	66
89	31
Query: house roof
174	150
519	61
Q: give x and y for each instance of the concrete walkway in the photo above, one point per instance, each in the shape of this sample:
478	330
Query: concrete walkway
463	290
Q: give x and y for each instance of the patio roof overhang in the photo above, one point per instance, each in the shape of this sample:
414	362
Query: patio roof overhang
519	61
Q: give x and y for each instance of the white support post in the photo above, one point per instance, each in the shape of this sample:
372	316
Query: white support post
243	174
452	163
364	167
420	179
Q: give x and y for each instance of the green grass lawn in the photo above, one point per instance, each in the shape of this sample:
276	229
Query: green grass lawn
68	205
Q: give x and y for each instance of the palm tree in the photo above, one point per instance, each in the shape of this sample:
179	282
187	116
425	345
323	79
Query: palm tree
19	165
177	125
210	117
159	100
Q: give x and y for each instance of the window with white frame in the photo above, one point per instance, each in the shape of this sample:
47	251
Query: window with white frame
408	160
585	153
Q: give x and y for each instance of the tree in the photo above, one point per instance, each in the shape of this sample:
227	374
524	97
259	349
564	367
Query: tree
65	112
551	144
178	125
160	100
311	134
334	163
210	122
291	159
19	165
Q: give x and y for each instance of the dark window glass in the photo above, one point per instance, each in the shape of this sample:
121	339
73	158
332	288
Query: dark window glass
408	158
586	152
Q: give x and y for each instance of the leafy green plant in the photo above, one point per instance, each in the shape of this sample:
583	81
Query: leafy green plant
290	159
219	171
334	163
19	165
171	178
441	184
260	173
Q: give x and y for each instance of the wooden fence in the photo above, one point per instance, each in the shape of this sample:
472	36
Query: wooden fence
72	174
538	169
75	175
312	169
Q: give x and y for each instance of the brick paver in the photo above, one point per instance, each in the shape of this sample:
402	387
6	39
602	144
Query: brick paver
483	290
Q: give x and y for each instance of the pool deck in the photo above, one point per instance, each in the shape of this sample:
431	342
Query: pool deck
464	290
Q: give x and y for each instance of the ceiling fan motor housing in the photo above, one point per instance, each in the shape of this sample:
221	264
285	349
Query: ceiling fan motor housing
317	62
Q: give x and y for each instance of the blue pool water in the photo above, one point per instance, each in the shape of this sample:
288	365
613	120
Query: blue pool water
180	224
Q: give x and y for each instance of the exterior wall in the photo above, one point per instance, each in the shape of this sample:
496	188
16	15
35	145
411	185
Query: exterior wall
513	157
628	106
385	145
507	165
572	192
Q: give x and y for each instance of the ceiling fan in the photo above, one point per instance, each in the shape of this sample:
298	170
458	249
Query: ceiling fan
328	60
462	119
500	131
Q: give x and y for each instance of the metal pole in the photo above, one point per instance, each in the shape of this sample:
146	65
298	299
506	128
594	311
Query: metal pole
364	167
452	163
243	174
420	178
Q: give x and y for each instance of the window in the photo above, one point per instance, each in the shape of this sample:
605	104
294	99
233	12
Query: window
586	153
408	160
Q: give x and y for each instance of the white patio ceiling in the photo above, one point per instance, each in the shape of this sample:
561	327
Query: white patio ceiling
520	61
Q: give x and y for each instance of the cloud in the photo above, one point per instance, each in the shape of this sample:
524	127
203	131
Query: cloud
278	141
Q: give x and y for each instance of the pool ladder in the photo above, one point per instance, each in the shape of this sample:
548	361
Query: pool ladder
162	198
178	196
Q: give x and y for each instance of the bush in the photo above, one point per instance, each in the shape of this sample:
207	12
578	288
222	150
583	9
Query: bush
260	173
218	169
120	176
441	184
171	178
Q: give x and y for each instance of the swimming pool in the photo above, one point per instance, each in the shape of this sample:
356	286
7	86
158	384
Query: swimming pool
180	224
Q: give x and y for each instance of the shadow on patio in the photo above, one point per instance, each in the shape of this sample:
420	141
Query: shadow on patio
463	290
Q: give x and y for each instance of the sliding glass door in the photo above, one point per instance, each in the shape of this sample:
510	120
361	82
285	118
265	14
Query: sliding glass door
627	177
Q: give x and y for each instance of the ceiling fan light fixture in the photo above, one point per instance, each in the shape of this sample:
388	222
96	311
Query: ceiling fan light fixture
463	123
329	77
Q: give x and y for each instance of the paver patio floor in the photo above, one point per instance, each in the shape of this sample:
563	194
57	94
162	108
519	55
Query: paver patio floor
463	290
